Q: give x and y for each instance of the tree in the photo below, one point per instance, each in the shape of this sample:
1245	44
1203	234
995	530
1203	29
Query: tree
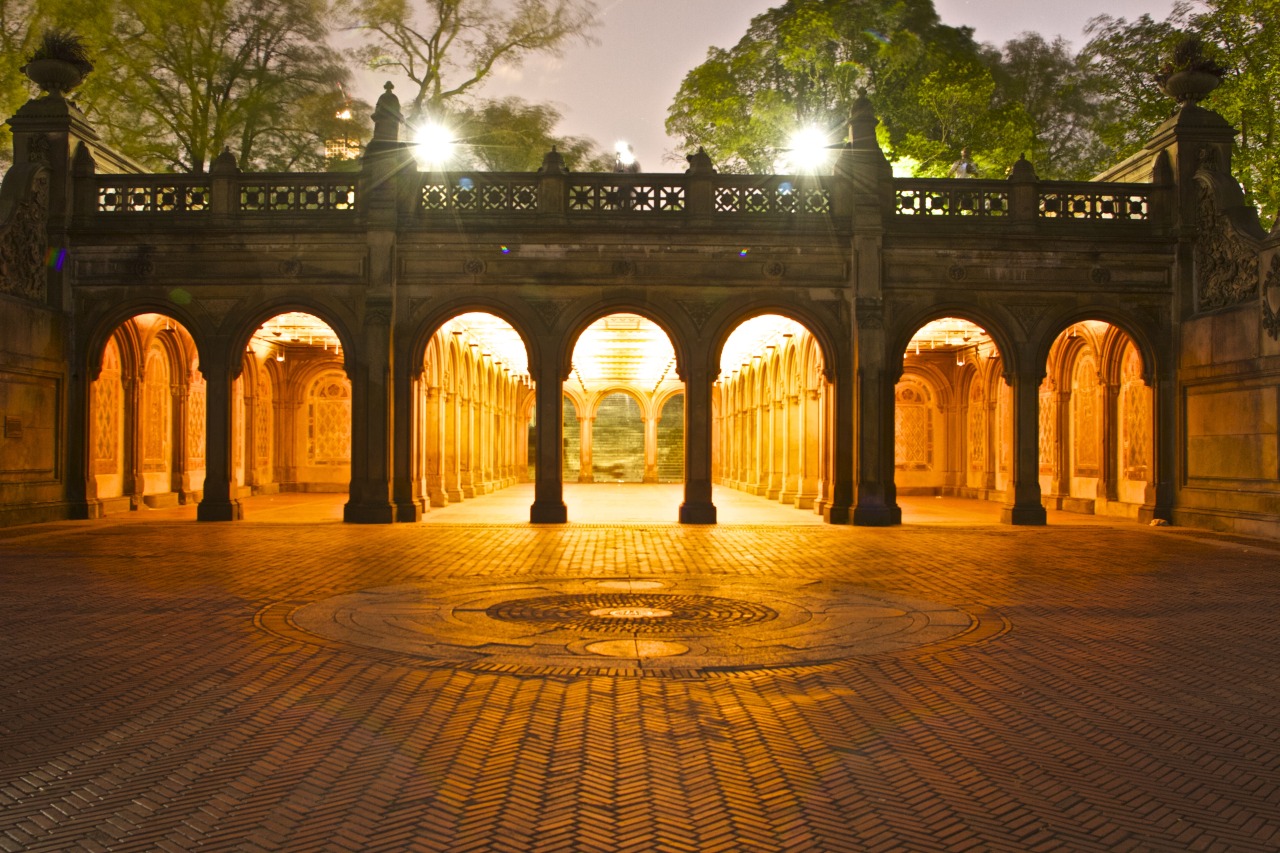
804	62
512	135
448	48
180	79
20	24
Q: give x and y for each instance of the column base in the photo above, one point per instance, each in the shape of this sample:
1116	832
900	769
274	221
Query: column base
836	514
1148	513
209	510
379	513
877	516
409	512
1031	516
548	513
697	513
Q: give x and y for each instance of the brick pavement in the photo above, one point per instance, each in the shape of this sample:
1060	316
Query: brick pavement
1127	699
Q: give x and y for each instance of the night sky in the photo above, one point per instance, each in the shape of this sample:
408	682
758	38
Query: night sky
620	87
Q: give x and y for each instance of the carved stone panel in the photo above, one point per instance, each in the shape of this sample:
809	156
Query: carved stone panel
1226	263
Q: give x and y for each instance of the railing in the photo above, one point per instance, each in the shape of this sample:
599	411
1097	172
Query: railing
1084	200
152	194
950	197
640	194
257	193
1076	200
479	193
296	193
778	195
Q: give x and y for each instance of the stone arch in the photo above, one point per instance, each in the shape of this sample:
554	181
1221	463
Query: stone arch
899	338
588	312
332	316
117	315
1140	332
426	328
815	324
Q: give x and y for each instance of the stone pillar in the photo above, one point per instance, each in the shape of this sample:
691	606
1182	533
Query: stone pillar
586	467
810	447
991	459
698	507
218	502
82	482
452	473
372	411
875	498
1158	500
408	444
1022	502
133	479
467	446
651	450
790	450
1109	475
181	476
1061	478
776	450
548	502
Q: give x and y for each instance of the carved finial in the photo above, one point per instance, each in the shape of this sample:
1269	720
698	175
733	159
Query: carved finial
553	163
700	163
1023	170
225	163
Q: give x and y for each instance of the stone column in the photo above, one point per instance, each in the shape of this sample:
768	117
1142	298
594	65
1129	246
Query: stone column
791	450
586	467
810	448
777	449
218	502
181	477
1158	500
133	480
452	474
1061	478
1109	464
372	413
1022	502
410	434
698	507
651	449
548	502
991	459
875	497
82	482
467	446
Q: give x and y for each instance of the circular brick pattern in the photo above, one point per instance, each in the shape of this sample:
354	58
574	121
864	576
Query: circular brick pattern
607	613
686	626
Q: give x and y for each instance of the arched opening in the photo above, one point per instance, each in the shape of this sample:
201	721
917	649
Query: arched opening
476	404
291	404
1096	422
952	424
623	376
146	418
771	413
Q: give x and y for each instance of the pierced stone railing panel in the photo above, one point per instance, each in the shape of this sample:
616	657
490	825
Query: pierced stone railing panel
605	193
479	194
152	194
297	194
950	197
1095	201
774	195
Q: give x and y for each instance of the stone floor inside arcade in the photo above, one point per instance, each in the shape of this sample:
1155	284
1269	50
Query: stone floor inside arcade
289	682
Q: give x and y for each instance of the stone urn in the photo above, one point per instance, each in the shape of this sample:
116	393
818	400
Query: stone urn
55	76
1190	86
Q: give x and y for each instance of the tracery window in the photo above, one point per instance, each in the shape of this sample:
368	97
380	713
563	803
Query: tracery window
1135	408
329	420
1084	404
157	399
107	394
977	418
913	427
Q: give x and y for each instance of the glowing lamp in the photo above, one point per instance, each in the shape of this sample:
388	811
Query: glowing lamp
434	144
808	150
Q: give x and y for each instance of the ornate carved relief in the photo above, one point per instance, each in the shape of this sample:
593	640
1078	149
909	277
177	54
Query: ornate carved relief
1270	295
107	401
773	269
473	266
1084	401
1048	426
24	242
1226	264
549	309
1135	408
156	402
870	312
699	311
195	419
1027	315
977	429
262	424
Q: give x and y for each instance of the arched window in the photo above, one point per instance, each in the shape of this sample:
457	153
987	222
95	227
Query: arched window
329	420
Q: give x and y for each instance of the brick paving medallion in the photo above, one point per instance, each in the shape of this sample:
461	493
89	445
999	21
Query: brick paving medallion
1123	697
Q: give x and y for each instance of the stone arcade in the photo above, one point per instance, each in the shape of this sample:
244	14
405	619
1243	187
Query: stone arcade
1106	346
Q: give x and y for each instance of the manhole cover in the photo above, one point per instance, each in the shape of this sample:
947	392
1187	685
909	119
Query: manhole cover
633	613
